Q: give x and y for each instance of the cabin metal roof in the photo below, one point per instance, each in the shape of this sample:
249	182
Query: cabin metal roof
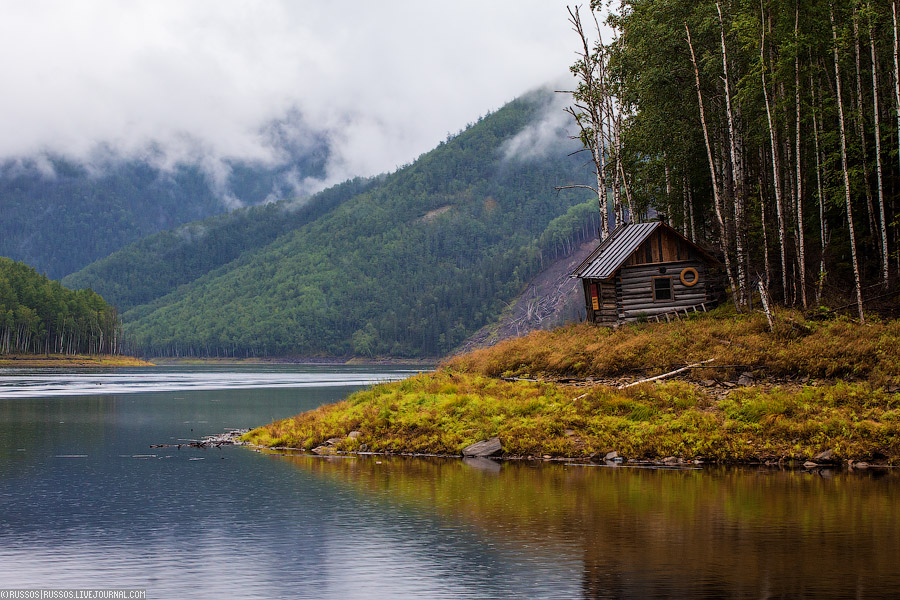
603	262
615	250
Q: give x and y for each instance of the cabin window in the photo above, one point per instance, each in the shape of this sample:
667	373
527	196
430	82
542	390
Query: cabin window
662	289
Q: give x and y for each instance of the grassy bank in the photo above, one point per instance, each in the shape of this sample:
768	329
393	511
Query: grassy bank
808	410
78	360
799	347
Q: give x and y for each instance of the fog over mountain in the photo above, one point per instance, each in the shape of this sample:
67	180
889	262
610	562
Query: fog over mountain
213	82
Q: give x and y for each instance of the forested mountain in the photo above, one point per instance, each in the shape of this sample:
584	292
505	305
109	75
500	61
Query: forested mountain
157	264
409	265
38	315
63	216
770	128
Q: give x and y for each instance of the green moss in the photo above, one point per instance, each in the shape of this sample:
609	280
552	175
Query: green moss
445	411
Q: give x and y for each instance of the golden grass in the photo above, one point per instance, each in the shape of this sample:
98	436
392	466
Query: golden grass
798	347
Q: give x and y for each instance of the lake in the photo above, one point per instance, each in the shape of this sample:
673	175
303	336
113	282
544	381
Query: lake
87	503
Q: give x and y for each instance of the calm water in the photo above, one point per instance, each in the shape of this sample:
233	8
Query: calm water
85	502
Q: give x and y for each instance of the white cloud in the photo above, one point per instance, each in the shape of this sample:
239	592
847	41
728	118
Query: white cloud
549	133
199	80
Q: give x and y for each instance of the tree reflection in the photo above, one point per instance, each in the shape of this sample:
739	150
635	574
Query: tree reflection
642	533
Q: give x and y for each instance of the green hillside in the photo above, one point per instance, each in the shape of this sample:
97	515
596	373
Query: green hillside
60	222
157	264
408	267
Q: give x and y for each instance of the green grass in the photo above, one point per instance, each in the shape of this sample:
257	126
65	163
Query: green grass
443	412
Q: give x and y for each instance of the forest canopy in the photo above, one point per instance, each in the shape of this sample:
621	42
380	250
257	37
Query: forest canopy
770	127
38	315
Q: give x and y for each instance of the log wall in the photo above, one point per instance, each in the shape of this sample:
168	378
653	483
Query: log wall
634	289
606	308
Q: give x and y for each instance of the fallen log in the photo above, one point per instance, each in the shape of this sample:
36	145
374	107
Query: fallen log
664	375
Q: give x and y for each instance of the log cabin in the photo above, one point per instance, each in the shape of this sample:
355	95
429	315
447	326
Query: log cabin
648	270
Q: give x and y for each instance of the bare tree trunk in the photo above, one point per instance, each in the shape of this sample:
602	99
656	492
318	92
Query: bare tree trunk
779	206
634	217
860	125
589	114
737	177
717	199
691	209
823	224
801	241
896	91
668	190
840	103
617	195
884	238
762	220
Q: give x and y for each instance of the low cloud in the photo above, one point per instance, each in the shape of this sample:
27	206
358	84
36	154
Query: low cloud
550	133
212	82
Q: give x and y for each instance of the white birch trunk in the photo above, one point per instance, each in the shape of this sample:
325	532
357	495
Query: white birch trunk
717	199
882	221
779	206
840	103
668	190
801	241
896	91
860	125
823	224
762	220
737	178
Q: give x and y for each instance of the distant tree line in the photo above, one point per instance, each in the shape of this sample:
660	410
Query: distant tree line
769	127
40	316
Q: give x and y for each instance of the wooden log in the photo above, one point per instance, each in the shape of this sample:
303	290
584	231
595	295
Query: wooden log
664	375
671	269
684	298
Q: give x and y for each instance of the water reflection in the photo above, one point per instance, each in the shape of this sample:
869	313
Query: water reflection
718	533
85	502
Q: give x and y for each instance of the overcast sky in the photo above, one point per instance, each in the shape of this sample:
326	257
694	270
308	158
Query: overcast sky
200	78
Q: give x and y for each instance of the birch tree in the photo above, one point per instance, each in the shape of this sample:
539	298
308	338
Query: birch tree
844	168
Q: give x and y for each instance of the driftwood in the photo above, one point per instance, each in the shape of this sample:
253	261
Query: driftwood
229	438
664	375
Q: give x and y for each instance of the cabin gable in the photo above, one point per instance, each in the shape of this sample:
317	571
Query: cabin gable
662	246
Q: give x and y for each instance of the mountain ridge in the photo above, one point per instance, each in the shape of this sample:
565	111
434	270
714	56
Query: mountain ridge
410	266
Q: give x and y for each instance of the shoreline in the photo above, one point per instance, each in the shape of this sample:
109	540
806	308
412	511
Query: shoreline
675	423
718	388
664	464
29	361
303	360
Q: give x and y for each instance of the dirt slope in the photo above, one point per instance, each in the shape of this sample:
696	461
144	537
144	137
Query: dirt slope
551	299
